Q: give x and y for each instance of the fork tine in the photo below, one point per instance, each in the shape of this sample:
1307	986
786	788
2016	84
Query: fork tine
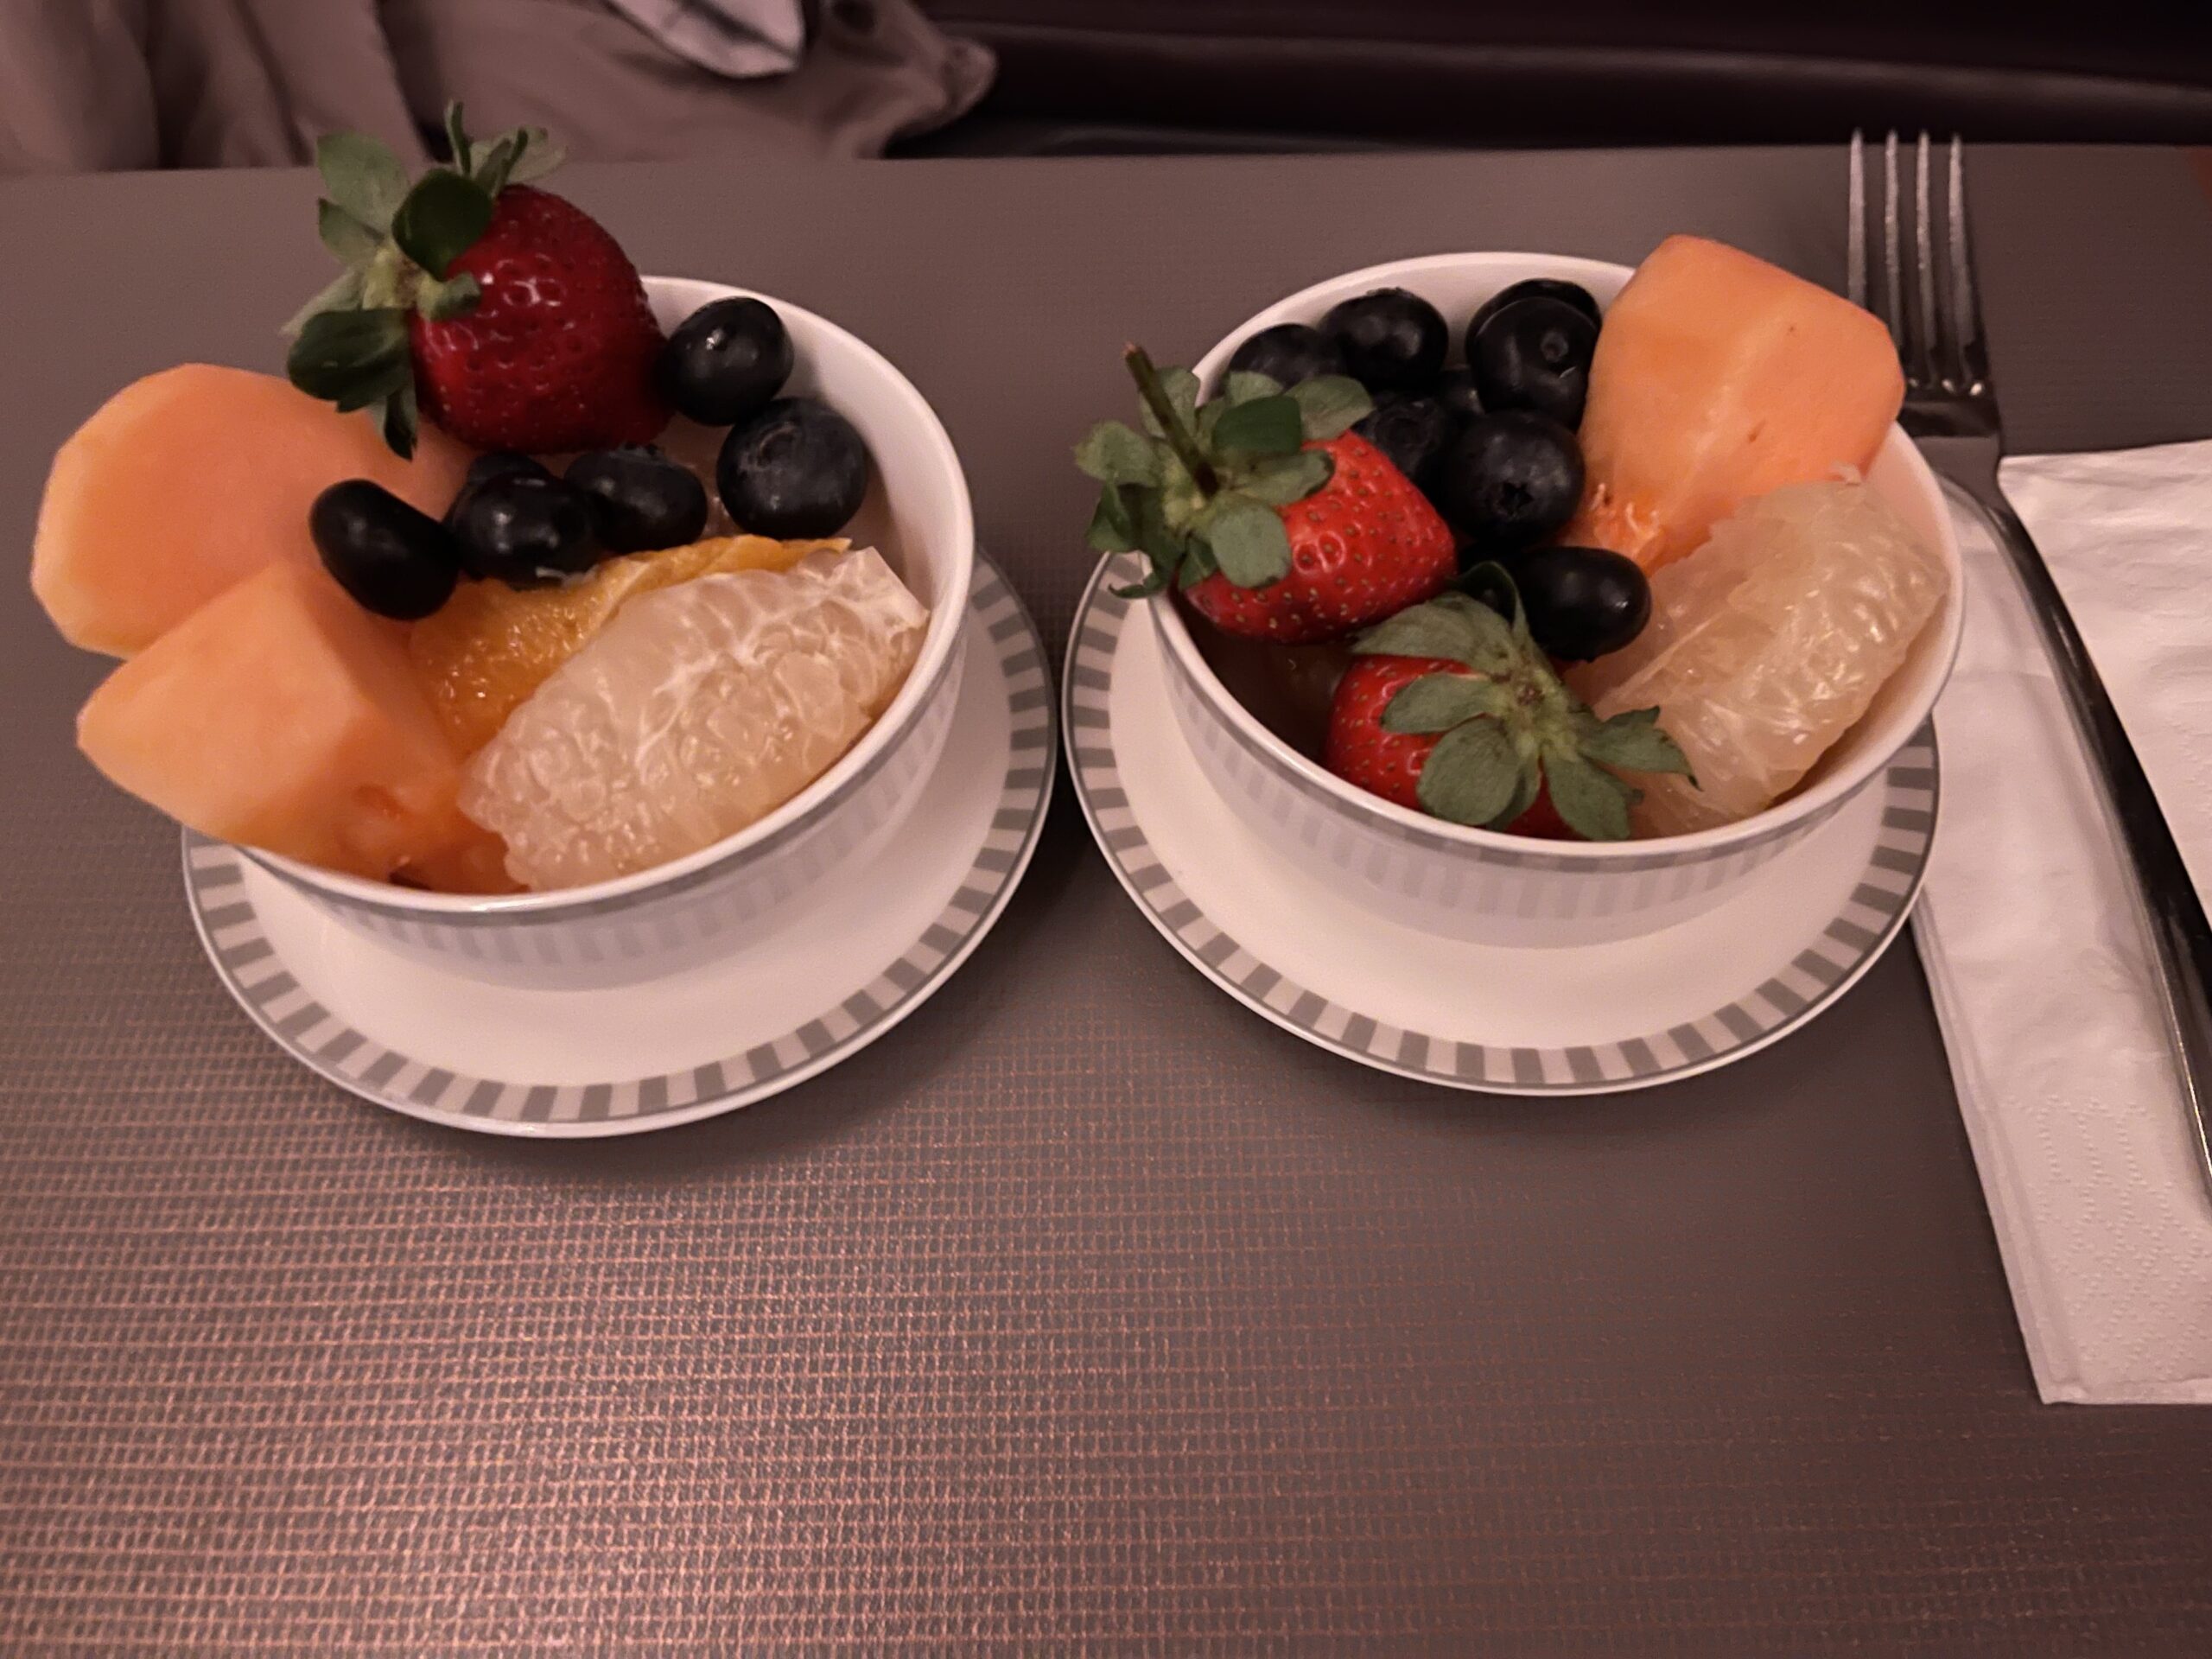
1856	253
1893	273
1926	332
1966	297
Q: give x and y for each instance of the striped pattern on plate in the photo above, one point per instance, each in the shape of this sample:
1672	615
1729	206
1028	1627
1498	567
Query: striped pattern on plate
239	947
1877	910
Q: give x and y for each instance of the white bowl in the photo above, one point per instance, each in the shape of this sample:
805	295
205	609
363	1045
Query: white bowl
743	886
1497	889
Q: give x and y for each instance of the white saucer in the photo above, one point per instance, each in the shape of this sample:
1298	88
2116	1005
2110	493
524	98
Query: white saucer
1580	1020
460	1052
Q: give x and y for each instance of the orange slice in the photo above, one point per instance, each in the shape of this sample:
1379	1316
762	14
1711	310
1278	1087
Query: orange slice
479	657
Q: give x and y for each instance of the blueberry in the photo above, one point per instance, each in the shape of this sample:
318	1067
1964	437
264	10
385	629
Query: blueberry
1413	432
1392	340
1455	390
393	559
796	469
1534	354
1548	287
1581	602
725	360
640	500
1509	480
498	462
1288	354
526	529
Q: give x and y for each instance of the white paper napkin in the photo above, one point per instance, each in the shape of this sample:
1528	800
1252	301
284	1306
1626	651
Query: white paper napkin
2042	978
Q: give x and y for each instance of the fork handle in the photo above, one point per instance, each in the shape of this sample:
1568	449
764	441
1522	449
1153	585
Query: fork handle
2171	912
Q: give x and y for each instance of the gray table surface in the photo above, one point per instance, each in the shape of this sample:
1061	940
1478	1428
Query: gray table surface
1085	1308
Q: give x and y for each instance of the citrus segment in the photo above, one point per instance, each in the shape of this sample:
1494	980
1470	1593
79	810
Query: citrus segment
491	646
1767	644
697	710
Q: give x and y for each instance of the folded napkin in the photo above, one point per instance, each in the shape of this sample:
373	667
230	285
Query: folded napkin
2043	980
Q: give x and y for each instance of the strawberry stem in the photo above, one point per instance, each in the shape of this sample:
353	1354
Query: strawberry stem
1179	437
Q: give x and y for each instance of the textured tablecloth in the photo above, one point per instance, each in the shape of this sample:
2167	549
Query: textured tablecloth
1084	1309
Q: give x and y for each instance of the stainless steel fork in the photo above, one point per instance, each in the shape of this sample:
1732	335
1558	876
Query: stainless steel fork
1928	298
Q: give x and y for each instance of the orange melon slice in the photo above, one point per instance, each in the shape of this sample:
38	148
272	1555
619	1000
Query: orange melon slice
187	481
1718	378
282	716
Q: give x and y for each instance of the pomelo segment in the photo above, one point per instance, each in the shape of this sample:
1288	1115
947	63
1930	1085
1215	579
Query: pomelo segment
283	716
489	645
1768	644
187	482
699	710
1718	378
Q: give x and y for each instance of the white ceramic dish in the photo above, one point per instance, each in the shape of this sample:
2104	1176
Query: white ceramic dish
1476	885
762	1016
661	921
1309	952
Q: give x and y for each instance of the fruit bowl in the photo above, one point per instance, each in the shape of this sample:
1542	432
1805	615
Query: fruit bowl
1476	883
741	888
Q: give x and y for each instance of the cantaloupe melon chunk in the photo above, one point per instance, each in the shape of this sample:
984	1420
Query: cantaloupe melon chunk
1718	378
476	864
283	716
187	481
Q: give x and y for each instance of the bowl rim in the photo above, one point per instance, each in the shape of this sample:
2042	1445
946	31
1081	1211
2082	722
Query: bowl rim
1403	823
804	810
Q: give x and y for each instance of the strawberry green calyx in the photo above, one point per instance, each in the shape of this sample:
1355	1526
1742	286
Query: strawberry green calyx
1199	489
1508	728
398	241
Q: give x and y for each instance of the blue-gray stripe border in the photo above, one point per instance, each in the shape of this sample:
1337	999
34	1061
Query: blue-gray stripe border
220	902
1874	915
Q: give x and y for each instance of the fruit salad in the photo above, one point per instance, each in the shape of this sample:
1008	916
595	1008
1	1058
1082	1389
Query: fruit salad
499	588
1611	572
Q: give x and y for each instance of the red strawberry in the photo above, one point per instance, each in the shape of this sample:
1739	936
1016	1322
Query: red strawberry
1358	750
1277	521
507	315
1389	764
558	354
1541	821
1453	710
1365	545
